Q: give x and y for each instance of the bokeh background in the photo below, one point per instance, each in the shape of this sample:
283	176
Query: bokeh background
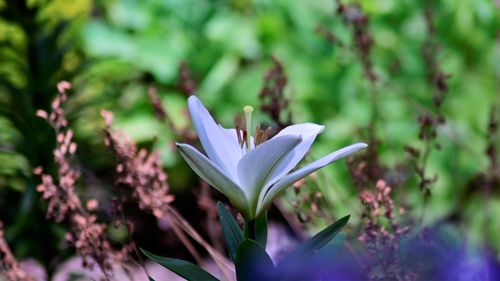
403	76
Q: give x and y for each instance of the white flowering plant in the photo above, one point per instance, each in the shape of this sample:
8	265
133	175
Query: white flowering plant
251	171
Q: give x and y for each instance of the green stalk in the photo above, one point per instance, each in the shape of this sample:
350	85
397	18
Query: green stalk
249	229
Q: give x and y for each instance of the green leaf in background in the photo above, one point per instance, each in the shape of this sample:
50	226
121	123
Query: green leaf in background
253	263
314	244
182	268
151	278
232	232
261	230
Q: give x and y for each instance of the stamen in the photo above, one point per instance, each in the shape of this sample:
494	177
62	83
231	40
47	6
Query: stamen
257	135
248	123
266	134
245	139
238	134
261	136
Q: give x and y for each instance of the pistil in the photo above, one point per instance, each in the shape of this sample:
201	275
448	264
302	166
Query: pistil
248	124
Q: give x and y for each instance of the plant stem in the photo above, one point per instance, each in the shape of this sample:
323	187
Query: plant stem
251	229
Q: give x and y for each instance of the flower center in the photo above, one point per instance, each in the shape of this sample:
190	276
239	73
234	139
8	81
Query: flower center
244	137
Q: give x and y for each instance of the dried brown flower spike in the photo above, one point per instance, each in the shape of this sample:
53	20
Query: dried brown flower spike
9	267
86	234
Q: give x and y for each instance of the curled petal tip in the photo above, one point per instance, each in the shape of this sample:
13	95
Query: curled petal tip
194	105
192	98
358	145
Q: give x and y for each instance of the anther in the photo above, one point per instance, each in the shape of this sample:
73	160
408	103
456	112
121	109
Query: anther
245	138
266	134
257	135
238	134
261	136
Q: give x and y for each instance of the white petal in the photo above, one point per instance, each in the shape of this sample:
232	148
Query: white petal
208	171
308	132
216	143
256	166
267	197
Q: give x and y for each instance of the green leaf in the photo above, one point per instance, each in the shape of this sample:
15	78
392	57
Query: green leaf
312	245
182	268
232	232
261	230
253	263
151	278
246	229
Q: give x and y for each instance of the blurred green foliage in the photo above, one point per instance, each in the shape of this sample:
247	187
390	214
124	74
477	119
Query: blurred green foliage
37	50
113	50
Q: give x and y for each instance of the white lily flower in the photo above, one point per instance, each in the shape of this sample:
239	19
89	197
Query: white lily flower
252	176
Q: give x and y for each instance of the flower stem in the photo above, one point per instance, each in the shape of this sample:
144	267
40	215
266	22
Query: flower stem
250	229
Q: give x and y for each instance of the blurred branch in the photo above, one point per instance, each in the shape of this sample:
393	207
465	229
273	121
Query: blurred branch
272	96
353	16
184	134
429	122
9	267
86	234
